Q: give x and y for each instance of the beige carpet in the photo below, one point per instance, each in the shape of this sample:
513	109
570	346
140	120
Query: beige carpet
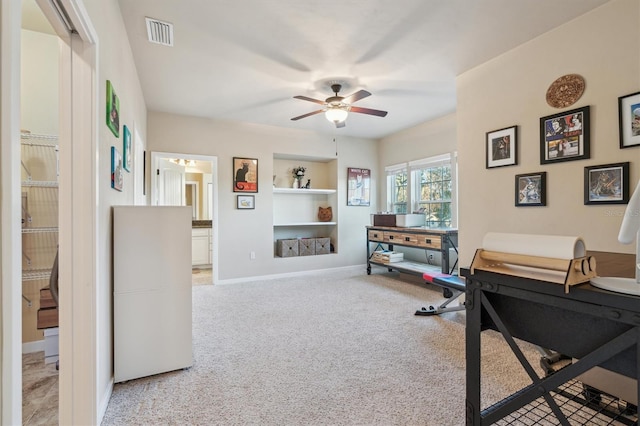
342	348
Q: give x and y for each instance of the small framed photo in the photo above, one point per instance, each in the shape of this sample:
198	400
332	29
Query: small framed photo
113	110
531	189
565	136
245	174
358	186
126	148
117	178
245	202
606	184
629	118
501	146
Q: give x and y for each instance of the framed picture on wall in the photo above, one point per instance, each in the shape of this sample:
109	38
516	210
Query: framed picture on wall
117	178
126	148
245	202
358	186
113	110
606	184
531	189
629	119
565	136
245	174
501	147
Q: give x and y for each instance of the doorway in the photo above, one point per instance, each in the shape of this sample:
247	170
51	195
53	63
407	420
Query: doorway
188	179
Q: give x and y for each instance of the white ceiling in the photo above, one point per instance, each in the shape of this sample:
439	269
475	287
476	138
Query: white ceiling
244	60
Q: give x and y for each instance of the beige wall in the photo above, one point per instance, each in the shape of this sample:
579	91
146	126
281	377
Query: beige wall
115	63
244	231
426	140
39	85
604	47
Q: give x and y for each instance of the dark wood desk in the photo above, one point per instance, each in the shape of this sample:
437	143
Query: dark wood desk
597	327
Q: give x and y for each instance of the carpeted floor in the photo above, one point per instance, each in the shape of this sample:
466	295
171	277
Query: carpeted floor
342	348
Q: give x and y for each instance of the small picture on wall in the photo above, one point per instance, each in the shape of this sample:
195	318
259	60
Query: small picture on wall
126	148
531	189
117	175
501	147
565	136
629	120
358	186
606	184
113	110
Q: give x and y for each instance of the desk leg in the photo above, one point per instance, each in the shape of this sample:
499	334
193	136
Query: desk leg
473	304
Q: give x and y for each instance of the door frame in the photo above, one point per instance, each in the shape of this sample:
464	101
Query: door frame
155	156
77	213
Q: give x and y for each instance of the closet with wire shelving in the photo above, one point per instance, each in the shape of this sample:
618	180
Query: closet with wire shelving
39	181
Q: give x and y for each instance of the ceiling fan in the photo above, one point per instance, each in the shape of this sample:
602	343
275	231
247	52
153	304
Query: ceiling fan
336	108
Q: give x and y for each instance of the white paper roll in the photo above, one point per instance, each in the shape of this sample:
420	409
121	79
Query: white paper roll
554	246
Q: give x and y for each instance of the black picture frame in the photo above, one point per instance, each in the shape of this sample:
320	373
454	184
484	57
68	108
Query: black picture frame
245	202
629	120
245	174
531	189
502	147
606	184
565	136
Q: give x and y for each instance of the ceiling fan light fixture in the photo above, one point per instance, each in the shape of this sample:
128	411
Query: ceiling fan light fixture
336	114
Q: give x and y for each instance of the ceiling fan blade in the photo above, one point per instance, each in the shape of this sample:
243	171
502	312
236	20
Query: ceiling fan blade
306	115
340	124
369	111
360	94
305	98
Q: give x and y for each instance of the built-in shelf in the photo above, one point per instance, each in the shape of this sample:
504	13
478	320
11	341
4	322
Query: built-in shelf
305	224
303	191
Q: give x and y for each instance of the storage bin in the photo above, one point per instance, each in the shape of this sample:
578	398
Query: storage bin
287	248
323	245
307	246
409	220
383	219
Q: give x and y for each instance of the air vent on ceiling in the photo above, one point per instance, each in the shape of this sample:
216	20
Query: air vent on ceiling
159	32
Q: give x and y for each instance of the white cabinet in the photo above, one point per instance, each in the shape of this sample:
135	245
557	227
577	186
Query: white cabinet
200	246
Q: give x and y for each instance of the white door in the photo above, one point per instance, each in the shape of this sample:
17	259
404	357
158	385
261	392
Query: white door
171	183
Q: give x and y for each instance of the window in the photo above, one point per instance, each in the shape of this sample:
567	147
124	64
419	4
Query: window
433	190
425	186
397	183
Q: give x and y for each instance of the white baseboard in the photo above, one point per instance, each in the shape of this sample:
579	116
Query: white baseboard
104	403
31	347
362	267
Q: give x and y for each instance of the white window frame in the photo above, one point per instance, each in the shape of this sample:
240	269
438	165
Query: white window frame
392	195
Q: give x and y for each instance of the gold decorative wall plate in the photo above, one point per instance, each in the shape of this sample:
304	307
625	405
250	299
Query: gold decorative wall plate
565	91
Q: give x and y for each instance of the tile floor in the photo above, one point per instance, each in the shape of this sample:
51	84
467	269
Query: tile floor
39	390
40	380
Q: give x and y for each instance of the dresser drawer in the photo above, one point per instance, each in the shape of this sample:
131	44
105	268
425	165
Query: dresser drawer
393	237
376	235
429	241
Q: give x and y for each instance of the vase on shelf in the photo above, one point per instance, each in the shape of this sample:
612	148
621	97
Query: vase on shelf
296	184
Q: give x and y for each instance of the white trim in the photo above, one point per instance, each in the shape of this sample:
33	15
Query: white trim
395	168
33	347
78	199
10	262
104	403
290	274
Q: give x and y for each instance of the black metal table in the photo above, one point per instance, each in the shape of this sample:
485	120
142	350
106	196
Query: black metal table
597	327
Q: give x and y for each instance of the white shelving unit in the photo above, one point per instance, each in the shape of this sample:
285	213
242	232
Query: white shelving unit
39	181
295	210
